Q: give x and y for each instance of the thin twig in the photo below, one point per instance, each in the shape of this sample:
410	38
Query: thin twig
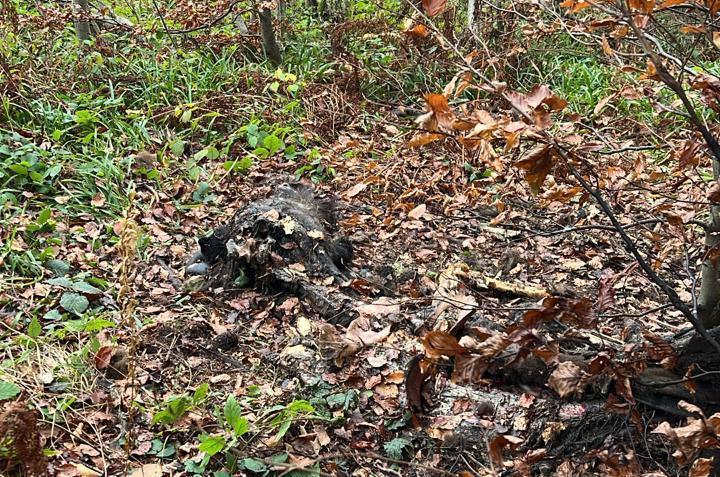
630	246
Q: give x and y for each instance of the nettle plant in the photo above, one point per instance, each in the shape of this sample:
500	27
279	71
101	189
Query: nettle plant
25	165
232	426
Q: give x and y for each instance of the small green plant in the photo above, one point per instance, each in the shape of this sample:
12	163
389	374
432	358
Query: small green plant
176	407
315	168
396	447
25	165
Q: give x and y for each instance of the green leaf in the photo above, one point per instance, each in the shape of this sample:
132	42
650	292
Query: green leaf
52	315
201	154
280	458
261	152
8	390
283	427
195	467
212	153
43	216
175	408
200	393
241	165
84	287
254	465
18	169
194	173
201	192
167	451
34	328
177	147
212	445
273	144
98	325
238	423
395	447
84	117
74	303
61	282
58	266
74	326
299	406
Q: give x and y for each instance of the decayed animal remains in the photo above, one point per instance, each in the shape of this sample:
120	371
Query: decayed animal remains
287	241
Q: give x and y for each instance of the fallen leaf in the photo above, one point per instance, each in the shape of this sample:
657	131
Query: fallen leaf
565	380
147	470
417	212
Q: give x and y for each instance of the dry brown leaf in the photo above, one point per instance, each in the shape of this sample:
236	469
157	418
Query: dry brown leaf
424	138
418	31
644	6
607	49
147	470
565	379
98	200
103	356
417	212
537	164
499	443
355	190
360	331
701	467
469	368
433	7
438	105
418	371
440	343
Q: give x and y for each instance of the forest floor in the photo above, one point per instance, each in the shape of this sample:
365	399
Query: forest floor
90	325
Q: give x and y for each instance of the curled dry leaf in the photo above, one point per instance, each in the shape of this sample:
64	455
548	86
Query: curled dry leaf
380	308
578	312
418	371
575	6
499	443
537	165
103	356
355	190
440	343
688	440
713	194
359	334
566	378
539	95
441	117
418	31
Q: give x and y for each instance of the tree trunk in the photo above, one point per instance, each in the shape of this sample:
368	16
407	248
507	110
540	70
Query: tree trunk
270	44
709	299
82	26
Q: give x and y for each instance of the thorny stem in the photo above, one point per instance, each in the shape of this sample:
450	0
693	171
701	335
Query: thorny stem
127	248
607	209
